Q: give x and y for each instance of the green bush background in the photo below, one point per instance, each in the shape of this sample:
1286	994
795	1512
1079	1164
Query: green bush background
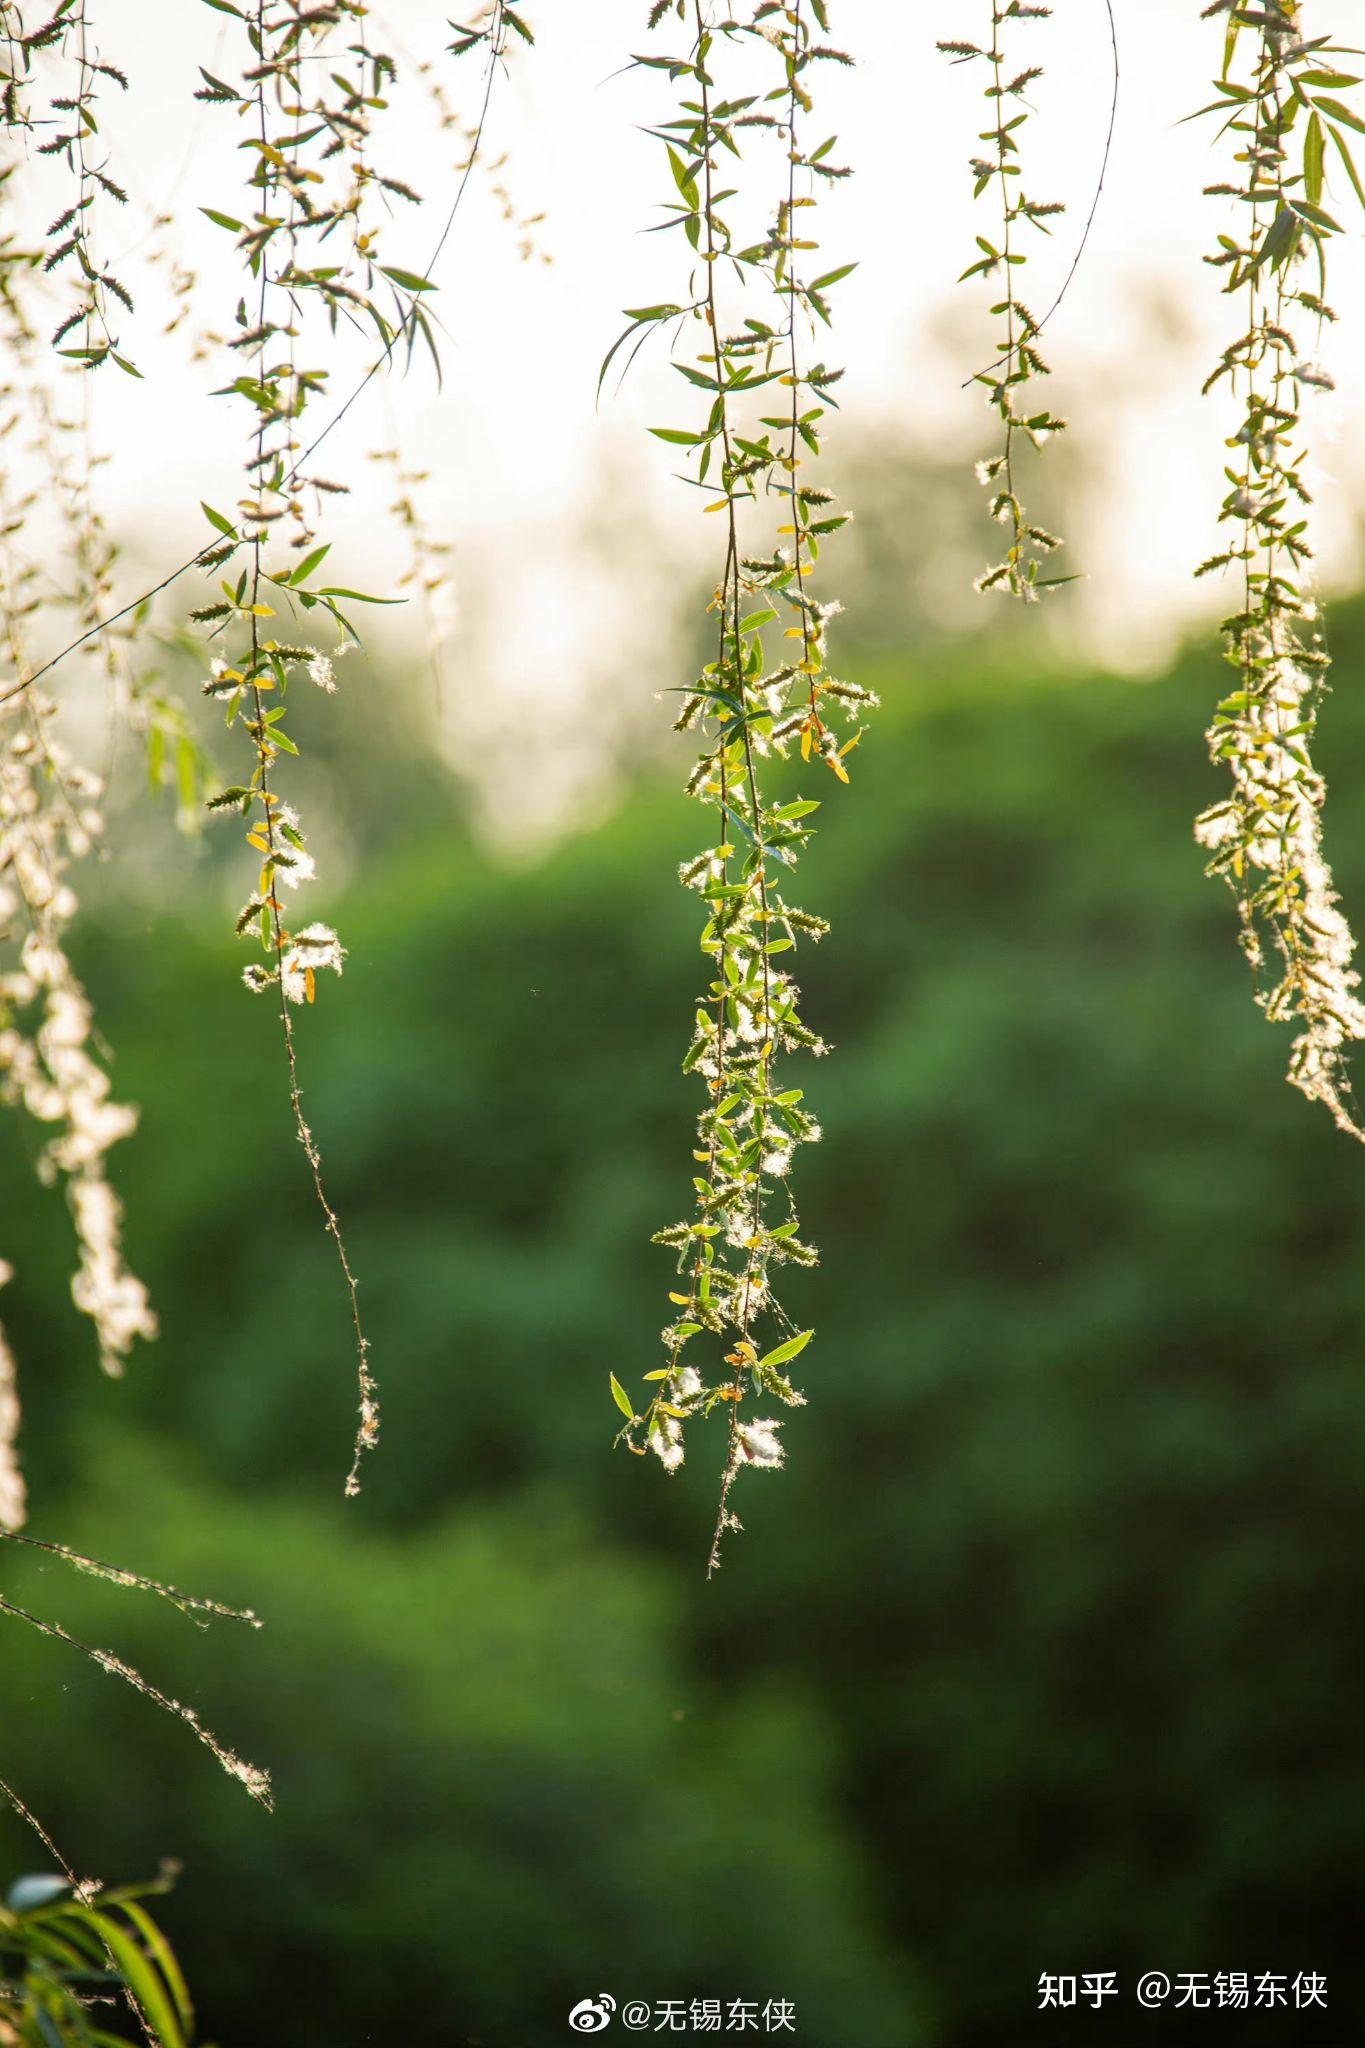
1045	1651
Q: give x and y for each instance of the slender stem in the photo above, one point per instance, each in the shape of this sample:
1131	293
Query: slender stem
757	862
1011	343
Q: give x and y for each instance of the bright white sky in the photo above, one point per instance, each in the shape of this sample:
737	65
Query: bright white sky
519	453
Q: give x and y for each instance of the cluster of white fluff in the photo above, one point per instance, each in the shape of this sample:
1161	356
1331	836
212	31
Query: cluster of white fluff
1267	837
315	947
48	818
665	1434
757	1443
13	1499
301	955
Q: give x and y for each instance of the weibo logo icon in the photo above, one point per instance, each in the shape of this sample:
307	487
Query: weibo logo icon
592	2015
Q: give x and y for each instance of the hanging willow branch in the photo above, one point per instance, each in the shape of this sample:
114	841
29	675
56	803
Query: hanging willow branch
73	237
1265	838
747	357
1018	365
312	179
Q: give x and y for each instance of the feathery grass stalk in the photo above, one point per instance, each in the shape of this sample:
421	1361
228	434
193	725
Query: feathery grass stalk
190	1604
80	1886
1265	838
1018	363
255	1781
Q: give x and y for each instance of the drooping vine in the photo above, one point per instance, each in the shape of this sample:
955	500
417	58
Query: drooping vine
997	173
750	311
306	123
1265	837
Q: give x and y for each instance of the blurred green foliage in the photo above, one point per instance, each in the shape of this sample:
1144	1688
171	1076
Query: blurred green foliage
1043	1654
88	1972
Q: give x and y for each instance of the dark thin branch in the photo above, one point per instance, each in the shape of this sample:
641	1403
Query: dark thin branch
1000	361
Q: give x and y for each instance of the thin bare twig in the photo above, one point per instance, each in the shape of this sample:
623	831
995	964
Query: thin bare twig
1000	361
